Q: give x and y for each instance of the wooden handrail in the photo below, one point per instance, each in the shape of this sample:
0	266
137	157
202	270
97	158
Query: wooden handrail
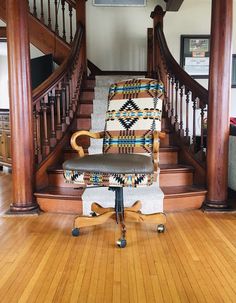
185	103
72	3
174	68
55	101
58	74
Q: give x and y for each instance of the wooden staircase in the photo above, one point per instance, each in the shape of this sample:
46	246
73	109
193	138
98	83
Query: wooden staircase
176	179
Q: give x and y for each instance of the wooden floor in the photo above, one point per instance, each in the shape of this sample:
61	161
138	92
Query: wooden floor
193	261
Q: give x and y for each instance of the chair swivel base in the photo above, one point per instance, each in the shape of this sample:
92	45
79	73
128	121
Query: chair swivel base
121	214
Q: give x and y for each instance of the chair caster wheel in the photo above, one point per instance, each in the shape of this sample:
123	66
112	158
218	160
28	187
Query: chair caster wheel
121	243
161	228
75	232
93	214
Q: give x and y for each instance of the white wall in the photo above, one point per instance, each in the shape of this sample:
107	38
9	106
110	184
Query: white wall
116	36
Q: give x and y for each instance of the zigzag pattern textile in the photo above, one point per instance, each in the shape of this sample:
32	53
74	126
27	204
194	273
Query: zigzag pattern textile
134	112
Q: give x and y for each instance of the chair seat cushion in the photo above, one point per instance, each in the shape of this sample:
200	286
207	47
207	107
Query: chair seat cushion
110	170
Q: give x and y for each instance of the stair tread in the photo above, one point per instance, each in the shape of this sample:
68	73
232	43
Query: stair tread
62	192
186	190
175	168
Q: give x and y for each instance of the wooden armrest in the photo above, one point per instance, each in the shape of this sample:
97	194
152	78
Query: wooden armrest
79	133
156	145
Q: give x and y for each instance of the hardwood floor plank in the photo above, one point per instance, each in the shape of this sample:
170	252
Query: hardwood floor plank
193	261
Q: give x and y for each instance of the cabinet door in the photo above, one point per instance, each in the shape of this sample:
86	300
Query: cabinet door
2	145
8	146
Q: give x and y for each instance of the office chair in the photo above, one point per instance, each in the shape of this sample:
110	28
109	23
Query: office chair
130	153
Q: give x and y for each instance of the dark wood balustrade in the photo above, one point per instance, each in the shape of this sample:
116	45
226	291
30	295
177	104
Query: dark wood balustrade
185	99
55	101
58	16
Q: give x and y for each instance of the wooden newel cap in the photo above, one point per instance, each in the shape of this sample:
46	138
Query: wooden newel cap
158	11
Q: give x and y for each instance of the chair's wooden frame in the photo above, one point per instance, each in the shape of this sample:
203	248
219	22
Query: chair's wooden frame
132	214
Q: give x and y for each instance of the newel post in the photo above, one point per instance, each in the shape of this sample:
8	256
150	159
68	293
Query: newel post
219	100
81	18
20	106
157	15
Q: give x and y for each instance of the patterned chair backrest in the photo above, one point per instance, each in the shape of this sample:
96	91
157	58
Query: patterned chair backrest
134	112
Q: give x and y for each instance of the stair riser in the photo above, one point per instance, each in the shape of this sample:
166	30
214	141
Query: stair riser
165	157
56	205
83	123
168	157
87	95
86	109
89	84
165	142
176	179
167	179
184	203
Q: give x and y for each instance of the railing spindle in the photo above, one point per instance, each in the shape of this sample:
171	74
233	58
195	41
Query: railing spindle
187	93
56	17
49	15
59	123
42	12
35	9
53	139
71	15
176	104
202	134
63	19
181	131
38	133
46	147
172	99
194	122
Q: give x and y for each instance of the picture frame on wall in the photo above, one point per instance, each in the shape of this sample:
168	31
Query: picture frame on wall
195	55
119	2
234	71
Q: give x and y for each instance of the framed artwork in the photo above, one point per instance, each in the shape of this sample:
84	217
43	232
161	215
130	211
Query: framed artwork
119	2
234	71
194	55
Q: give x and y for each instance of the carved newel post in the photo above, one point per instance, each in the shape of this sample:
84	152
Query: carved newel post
20	106
157	15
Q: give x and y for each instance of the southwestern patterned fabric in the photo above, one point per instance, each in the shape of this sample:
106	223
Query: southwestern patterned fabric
102	179
134	112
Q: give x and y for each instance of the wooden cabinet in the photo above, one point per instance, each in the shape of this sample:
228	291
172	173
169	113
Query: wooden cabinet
5	138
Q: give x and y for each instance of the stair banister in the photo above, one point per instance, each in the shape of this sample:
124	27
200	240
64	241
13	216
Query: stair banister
212	107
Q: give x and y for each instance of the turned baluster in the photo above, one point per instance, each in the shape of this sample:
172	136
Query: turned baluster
64	107
187	93
172	99
44	106
35	9
59	120
42	12
56	17
49	15
203	132
53	139
169	95
67	98
38	133
195	100
71	30
176	104
63	20
181	130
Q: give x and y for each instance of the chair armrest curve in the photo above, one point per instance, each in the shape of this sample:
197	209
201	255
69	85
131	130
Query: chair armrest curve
80	133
